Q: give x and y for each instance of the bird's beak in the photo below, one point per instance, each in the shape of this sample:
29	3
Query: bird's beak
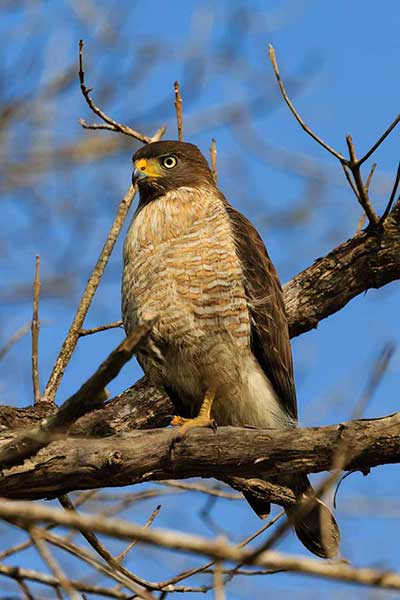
137	174
145	167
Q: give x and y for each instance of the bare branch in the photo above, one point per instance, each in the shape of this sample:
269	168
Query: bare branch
89	397
52	563
111	124
131	545
392	196
106	555
352	163
116	324
14	339
72	337
307	129
370	175
35	326
19	574
178	109
379	142
363	262
30	514
213	157
362	190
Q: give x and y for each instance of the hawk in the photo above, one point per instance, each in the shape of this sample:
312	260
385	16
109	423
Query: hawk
220	347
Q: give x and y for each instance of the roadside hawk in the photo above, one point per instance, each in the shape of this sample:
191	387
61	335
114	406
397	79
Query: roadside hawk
220	347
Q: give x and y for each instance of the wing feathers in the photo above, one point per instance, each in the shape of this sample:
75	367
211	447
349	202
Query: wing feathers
269	332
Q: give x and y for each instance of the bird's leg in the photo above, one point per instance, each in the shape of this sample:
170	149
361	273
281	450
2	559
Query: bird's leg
203	419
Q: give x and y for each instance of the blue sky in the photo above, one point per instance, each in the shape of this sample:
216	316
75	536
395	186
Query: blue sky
340	61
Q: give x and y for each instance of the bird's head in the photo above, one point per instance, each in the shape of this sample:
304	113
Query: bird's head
165	166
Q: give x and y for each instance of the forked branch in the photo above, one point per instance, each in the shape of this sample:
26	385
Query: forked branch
109	123
351	165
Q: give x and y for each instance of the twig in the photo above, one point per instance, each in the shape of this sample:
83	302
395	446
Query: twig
381	139
89	396
376	375
25	590
347	172
106	555
14	339
362	190
90	558
72	337
213	157
111	124
52	563
361	220
206	566
35	333
114	325
370	175
219	584
352	163
29	514
19	574
178	109
272	57
148	523
392	196
204	489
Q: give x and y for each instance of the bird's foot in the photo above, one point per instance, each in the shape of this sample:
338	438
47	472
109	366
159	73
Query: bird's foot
203	419
186	425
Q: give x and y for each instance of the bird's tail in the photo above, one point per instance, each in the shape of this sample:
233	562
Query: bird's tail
316	528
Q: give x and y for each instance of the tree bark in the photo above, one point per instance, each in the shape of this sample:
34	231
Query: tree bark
73	463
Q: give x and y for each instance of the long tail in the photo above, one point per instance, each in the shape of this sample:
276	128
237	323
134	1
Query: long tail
317	530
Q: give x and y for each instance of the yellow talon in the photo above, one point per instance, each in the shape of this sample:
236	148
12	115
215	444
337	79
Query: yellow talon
203	419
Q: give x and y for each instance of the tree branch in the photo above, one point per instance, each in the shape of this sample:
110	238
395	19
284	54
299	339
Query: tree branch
28	513
86	463
361	263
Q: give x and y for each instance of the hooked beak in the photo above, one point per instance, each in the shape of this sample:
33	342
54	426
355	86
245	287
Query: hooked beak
137	174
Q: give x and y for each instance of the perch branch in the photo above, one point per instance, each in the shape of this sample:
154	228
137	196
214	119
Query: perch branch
87	463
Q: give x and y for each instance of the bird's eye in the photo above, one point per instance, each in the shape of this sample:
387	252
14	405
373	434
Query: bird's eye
169	162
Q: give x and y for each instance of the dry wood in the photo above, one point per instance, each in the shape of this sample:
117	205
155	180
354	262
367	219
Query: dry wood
87	463
28	513
72	337
35	327
90	396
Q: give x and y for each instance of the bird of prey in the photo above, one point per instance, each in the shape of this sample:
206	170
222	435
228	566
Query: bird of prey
220	347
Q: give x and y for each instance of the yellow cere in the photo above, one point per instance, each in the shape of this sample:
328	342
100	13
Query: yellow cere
150	167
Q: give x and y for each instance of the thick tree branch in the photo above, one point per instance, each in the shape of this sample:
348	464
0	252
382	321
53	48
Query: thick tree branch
365	261
81	463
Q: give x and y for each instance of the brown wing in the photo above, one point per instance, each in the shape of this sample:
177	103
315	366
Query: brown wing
269	330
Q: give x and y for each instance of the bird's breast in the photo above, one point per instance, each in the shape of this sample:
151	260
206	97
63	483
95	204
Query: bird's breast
180	264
